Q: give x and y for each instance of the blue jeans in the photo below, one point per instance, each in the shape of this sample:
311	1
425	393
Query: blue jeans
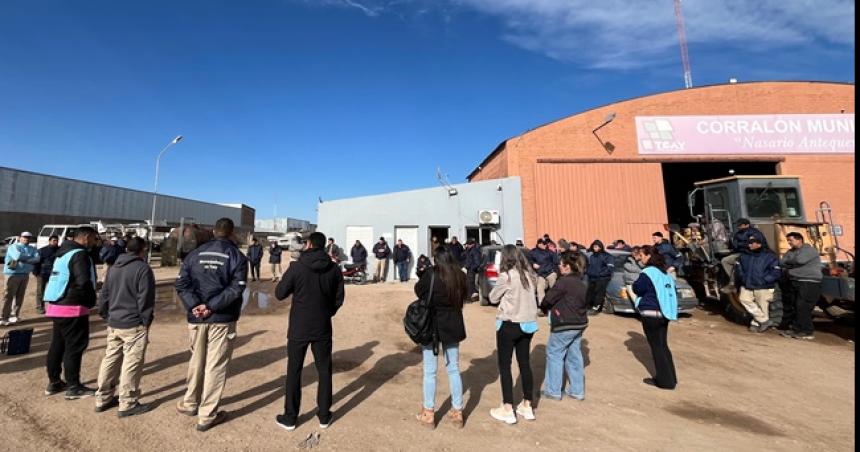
452	364
403	271
564	352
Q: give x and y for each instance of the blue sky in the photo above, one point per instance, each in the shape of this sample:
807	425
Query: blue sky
287	101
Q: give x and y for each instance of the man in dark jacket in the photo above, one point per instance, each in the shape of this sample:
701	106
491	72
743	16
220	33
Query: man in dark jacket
456	249
42	270
316	284
333	251
70	294
110	251
402	258
210	285
127	303
381	251
599	270
275	260
545	263
757	273
740	246
422	265
255	258
472	262
801	288
668	251
358	253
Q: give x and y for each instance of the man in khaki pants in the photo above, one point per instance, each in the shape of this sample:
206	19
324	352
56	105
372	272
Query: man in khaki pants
210	285
127	303
757	273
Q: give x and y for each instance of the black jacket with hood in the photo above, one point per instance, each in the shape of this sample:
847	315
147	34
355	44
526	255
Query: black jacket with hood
600	264
128	294
567	304
215	274
80	290
316	284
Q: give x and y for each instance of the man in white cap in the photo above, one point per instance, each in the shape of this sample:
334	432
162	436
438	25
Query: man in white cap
20	258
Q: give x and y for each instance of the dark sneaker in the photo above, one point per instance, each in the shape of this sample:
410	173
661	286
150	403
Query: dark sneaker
56	388
220	417
79	392
112	403
546	395
803	336
786	333
138	408
593	311
284	423
764	327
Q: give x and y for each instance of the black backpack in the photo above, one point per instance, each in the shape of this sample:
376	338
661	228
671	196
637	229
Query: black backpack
418	320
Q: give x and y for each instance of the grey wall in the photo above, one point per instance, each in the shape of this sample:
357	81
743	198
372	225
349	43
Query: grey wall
27	198
425	208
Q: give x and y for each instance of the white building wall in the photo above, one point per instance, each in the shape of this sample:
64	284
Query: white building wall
382	214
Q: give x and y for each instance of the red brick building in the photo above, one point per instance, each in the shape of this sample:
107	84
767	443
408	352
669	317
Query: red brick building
611	184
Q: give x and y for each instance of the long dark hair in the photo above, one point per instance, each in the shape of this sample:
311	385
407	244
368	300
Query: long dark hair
514	259
447	269
655	259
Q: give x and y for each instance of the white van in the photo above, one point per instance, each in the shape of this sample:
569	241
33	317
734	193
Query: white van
60	230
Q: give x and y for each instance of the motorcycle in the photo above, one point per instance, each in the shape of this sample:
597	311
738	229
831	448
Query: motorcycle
355	273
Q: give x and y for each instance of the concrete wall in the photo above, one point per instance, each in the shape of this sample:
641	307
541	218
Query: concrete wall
425	208
570	140
29	200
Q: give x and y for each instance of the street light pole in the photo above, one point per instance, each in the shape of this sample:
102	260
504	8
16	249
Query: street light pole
155	195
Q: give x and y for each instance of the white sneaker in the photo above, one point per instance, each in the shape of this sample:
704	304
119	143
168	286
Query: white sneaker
501	414
4	323
13	320
526	412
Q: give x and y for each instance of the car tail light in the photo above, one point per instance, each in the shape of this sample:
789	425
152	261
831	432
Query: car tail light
622	293
491	271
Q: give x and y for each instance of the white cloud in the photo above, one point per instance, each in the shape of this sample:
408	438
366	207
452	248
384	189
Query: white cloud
623	34
626	34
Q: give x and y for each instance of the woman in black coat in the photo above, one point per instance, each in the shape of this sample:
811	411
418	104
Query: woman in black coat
449	290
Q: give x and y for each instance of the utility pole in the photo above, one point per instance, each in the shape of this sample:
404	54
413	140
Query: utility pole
682	38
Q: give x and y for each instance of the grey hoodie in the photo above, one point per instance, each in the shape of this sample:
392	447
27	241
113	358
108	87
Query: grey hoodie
632	270
803	264
127	299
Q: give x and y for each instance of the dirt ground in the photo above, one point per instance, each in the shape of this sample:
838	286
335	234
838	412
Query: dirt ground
737	391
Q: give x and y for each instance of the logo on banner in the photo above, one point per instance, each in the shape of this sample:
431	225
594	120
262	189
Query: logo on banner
661	136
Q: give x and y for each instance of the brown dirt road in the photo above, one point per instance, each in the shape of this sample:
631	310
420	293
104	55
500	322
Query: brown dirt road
737	391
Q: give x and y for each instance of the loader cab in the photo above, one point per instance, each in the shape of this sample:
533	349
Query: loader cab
762	199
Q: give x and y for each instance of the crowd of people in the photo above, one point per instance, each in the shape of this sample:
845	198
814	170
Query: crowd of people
565	282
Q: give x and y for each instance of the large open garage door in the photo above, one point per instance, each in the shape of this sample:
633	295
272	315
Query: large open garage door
607	201
678	180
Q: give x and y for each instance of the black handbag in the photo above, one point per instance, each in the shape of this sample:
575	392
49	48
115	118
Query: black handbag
418	321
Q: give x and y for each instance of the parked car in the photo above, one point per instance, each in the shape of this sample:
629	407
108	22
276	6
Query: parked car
491	259
618	300
6	242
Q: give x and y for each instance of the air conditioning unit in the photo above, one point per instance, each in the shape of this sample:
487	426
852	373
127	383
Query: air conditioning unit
488	217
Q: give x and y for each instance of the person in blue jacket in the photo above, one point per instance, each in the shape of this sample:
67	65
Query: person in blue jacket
757	274
670	254
19	262
42	270
599	271
657	303
545	264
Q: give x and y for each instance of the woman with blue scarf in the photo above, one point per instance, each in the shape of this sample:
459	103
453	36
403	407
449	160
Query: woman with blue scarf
657	303
516	323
